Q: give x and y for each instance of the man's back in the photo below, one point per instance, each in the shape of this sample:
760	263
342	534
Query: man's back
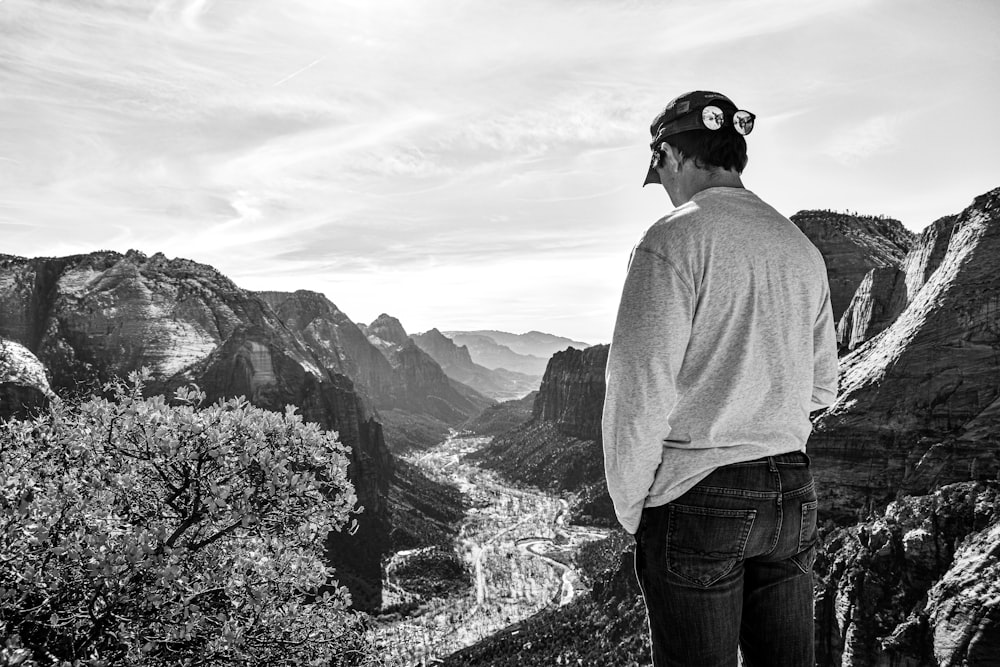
754	289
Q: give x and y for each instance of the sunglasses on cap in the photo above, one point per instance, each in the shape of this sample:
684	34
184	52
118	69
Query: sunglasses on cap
710	118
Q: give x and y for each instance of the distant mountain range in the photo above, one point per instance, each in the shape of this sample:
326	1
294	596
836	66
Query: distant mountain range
525	353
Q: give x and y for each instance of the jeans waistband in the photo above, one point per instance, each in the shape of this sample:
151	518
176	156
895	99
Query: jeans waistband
797	458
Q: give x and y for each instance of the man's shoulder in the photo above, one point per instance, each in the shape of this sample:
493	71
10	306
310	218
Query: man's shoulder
678	227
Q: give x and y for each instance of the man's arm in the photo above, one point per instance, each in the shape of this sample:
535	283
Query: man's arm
824	356
647	350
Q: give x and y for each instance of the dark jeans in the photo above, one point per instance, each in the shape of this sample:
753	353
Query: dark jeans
729	564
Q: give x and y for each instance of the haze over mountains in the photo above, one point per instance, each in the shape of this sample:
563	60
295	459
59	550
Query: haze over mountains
906	461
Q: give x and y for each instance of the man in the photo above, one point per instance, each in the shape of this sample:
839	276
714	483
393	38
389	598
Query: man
723	344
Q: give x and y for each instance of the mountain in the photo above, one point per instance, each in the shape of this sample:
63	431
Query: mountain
559	448
427	403
525	353
89	318
919	403
415	402
456	362
851	246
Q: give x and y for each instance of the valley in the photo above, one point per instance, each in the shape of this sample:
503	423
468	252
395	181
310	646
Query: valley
518	551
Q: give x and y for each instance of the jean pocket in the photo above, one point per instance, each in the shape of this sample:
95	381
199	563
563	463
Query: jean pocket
705	543
807	525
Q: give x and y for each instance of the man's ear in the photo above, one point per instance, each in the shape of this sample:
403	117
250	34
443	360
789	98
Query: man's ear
672	158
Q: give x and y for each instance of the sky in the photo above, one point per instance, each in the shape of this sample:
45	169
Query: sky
463	164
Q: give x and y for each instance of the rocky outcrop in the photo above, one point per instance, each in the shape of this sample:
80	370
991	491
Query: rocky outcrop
24	389
927	254
572	392
916	585
876	304
456	362
560	447
336	341
916	403
851	246
388	329
423	402
89	318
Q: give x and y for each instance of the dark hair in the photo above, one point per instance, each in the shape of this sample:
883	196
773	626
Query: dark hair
725	148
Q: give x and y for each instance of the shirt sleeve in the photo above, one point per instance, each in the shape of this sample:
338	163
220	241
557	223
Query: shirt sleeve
647	349
824	356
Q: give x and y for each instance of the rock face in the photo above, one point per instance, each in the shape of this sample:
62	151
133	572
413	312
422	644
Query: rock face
572	392
422	403
851	246
389	329
876	304
456	362
560	447
928	253
917	404
916	585
24	389
89	318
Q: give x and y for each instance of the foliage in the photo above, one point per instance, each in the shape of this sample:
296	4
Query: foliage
133	531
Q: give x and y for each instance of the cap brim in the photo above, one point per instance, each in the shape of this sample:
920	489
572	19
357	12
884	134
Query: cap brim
652	176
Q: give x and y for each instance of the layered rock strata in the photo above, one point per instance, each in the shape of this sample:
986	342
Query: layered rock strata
853	245
89	318
560	447
876	304
915	401
24	388
916	585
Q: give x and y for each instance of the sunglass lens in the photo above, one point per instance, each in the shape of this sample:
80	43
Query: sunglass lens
743	122
712	118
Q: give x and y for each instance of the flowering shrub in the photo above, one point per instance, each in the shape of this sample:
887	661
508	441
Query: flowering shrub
133	531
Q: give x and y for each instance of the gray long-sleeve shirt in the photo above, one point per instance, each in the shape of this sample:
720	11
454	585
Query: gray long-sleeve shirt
723	344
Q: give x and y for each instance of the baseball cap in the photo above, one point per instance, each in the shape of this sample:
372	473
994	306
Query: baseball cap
677	118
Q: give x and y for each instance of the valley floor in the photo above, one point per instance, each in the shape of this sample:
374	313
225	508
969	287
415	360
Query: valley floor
519	552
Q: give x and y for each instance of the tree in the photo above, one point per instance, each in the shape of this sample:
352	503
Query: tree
141	532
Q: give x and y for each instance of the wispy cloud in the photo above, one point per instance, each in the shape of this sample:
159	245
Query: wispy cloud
859	142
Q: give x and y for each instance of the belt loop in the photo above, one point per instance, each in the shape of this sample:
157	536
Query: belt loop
771	465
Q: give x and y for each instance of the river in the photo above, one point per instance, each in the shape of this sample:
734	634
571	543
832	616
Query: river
518	546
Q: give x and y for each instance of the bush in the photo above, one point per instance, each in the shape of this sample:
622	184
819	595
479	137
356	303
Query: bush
133	531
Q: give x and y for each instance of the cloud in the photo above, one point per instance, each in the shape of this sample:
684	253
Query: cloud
856	144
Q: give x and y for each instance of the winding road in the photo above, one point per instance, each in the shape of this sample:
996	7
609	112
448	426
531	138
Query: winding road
518	546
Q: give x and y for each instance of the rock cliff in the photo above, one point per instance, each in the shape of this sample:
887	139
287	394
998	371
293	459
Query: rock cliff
24	388
853	245
456	362
915	585
876	304
91	317
917	402
560	447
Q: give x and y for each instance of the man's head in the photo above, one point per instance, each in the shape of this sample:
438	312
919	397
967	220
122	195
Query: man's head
702	127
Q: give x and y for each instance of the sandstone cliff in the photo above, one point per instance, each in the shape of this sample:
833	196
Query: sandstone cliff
916	585
876	304
456	362
853	245
560	447
917	402
91	317
24	388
